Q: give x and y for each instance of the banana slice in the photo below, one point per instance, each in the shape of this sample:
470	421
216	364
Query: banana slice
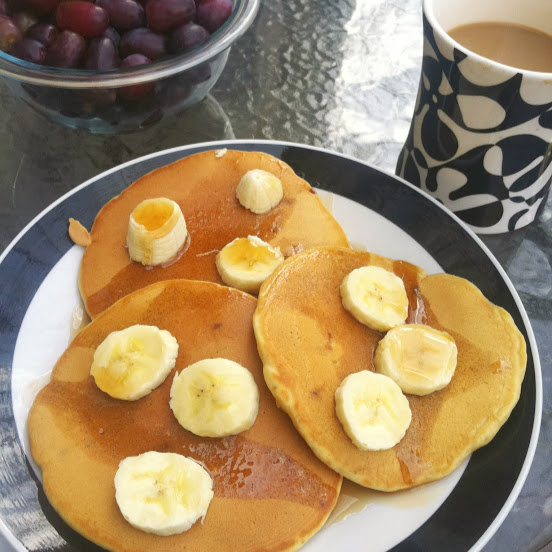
373	410
259	191
419	358
156	231
215	397
245	263
130	363
375	297
162	492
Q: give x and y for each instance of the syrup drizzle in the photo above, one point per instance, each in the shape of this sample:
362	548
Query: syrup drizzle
179	253
354	499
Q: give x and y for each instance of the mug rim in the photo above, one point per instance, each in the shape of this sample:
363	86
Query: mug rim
427	8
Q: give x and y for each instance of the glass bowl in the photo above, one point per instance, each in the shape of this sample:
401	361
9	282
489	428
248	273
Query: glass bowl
86	99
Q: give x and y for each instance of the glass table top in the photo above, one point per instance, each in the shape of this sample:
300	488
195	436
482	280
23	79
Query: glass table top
339	75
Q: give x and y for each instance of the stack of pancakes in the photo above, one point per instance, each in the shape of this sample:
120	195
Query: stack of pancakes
274	486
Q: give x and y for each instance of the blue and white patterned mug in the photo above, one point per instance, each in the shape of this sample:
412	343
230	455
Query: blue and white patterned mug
481	134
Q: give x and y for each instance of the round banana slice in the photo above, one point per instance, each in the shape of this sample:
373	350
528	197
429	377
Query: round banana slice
373	410
419	358
259	191
215	397
162	492
376	297
245	263
130	363
156	231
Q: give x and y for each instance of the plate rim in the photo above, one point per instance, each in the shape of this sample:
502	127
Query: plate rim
221	144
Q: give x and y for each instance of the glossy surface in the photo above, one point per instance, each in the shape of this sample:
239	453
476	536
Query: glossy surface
342	75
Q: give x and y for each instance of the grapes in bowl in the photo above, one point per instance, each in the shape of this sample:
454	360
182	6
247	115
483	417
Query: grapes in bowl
111	66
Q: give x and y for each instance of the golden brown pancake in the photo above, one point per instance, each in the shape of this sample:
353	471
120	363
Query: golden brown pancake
271	492
204	185
308	343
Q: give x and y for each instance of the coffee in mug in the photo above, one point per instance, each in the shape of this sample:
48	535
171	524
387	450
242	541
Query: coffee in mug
508	43
481	134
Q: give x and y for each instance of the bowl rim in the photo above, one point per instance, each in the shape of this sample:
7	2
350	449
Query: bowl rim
243	14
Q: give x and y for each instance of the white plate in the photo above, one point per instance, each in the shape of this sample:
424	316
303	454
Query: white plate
38	294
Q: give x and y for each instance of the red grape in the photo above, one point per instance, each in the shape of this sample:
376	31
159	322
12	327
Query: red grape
96	34
211	14
82	18
166	15
174	93
188	35
101	55
123	14
10	33
43	32
113	35
135	59
66	50
135	90
198	74
143	41
29	50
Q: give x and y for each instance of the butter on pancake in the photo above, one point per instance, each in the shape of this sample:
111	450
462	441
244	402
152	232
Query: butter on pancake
204	186
270	490
309	343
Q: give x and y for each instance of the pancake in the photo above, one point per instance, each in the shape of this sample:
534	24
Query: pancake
204	186
309	343
271	492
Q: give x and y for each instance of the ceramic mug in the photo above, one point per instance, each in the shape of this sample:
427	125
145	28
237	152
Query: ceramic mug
480	137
